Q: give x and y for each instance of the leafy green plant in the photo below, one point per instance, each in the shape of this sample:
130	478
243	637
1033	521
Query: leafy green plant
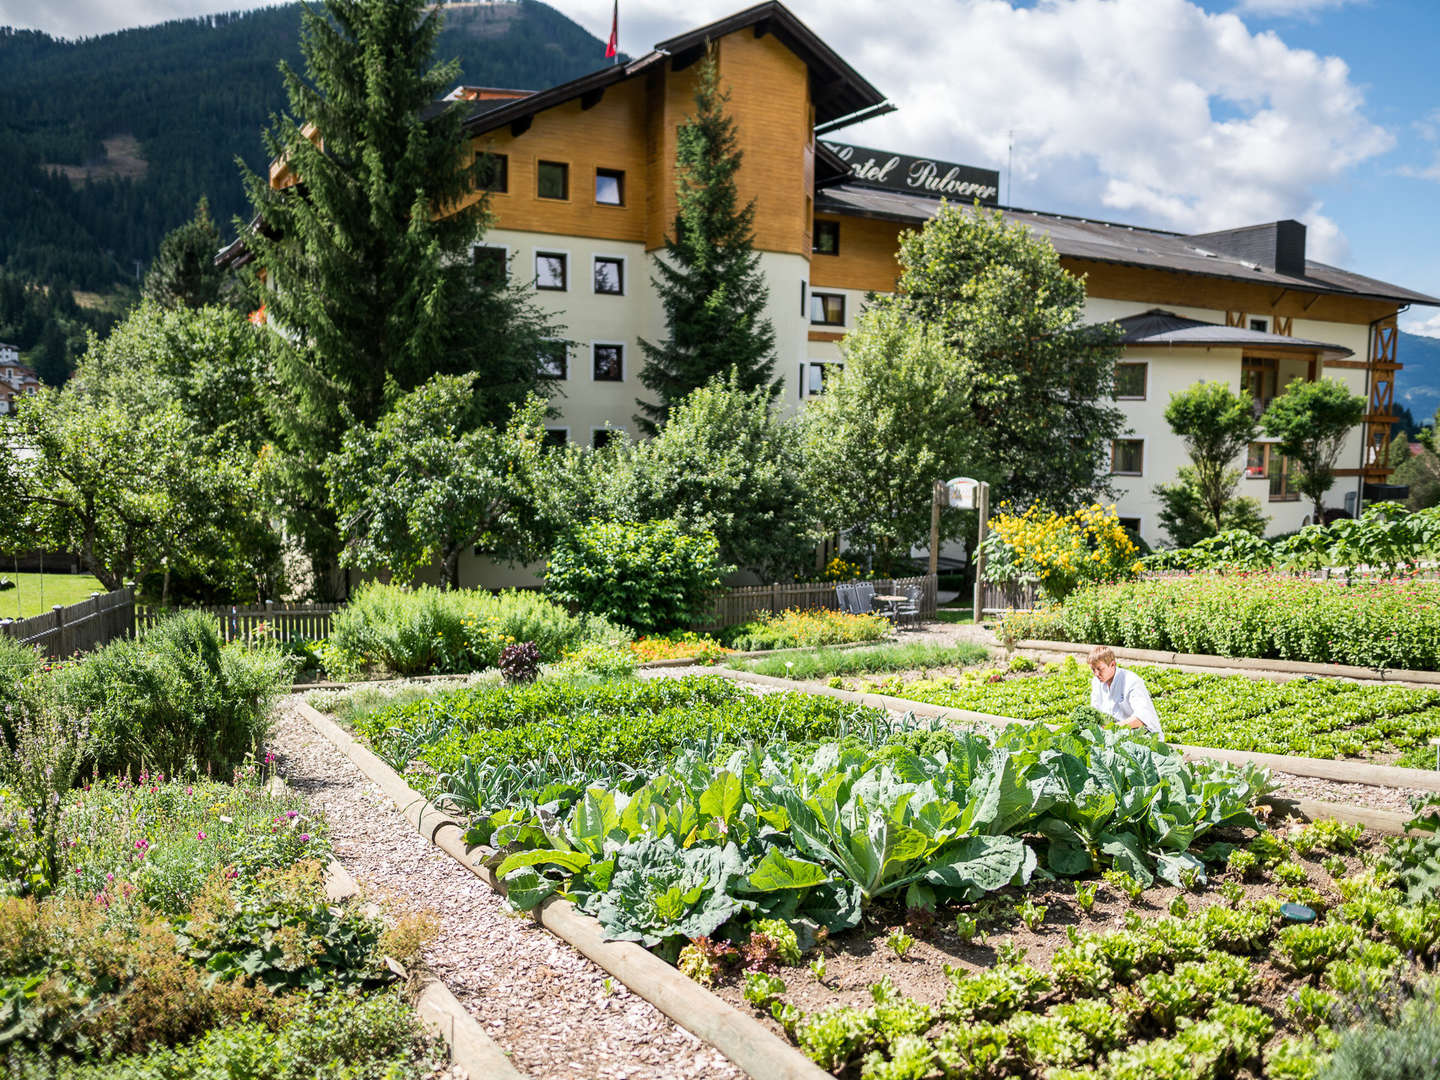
795	628
1290	873
772	941
967	928
520	663
650	576
1125	883
899	942
1327	835
1031	913
1085	895
761	988
908	656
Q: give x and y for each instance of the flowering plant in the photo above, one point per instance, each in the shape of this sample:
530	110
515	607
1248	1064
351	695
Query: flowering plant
1061	551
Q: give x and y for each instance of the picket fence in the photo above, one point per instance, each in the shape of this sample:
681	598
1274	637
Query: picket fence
275	622
740	605
64	631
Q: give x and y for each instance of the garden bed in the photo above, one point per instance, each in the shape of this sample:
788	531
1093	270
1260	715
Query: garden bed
1316	718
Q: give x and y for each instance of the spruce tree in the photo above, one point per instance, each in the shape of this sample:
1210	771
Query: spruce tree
184	273
710	282
372	290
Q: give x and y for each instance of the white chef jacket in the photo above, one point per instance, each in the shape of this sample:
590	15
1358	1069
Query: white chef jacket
1125	698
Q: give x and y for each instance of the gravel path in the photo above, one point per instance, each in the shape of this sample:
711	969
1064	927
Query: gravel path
1366	795
543	1002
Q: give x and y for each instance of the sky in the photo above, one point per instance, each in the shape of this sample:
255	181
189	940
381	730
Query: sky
1185	114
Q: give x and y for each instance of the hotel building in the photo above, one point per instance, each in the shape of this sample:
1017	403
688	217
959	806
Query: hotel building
584	195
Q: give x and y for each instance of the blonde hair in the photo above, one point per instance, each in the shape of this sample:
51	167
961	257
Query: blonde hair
1102	654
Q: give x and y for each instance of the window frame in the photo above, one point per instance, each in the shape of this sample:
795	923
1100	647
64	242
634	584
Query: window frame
1263	328
563	432
830	227
565	179
619	175
806	368
504	188
605	345
595	260
822	297
1114	450
504	250
616	433
1144	365
564	255
1281	474
564	375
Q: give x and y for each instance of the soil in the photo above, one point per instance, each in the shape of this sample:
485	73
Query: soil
859	958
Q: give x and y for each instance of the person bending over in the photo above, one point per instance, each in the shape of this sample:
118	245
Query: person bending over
1120	693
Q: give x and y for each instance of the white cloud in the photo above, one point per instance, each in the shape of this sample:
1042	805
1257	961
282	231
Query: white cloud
1425	326
1290	8
1150	111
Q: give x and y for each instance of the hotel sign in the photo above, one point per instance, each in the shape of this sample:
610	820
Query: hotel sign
919	176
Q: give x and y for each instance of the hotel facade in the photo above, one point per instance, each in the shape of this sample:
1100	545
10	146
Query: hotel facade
583	195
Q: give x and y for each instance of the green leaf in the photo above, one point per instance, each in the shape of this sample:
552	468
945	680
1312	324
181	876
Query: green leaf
779	871
572	861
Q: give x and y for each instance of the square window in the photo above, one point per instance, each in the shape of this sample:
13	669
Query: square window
1130	525
609	275
817	374
554	360
494	172
552	180
1127	457
556	436
826	238
827	309
603	437
491	262
610	187
1130	381
1261	325
1257	461
550	270
609	363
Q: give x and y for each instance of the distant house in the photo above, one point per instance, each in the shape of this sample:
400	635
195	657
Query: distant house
15	378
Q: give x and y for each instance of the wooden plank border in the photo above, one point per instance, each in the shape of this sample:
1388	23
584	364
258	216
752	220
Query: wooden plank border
741	1038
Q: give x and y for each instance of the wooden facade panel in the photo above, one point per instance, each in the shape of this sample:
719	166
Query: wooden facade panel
611	135
770	103
867	256
1192	290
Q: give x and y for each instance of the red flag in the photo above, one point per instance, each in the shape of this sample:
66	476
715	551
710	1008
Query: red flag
613	45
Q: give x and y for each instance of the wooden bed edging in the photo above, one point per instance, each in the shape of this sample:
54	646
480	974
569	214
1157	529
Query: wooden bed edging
741	1038
1291	668
470	1046
1348	772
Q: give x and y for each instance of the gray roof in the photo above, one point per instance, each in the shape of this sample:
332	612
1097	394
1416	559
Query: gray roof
1126	245
1158	327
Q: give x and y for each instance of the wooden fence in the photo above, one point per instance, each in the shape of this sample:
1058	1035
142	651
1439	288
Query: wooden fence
283	622
743	604
64	631
997	596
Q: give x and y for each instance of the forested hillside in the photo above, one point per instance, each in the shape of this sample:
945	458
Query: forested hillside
109	142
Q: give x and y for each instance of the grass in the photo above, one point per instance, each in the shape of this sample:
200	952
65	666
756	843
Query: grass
36	594
820	663
956	615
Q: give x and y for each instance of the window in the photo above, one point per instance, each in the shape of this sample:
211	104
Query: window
551	270
557	436
609	275
1130	525
1260	325
492	263
604	436
827	309
804	299
815	374
826	240
609	362
1257	461
1284	476
552	180
494	172
554	360
1130	381
609	187
1258	375
1127	457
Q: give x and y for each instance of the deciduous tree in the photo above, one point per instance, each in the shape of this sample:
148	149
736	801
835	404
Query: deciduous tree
1310	422
1216	424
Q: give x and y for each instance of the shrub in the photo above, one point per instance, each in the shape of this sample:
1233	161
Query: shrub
1061	551
173	700
679	645
430	631
1408	1046
1383	624
520	663
794	628
17	663
649	576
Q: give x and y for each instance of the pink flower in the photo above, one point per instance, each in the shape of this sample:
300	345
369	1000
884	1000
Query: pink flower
109	877
187	791
304	837
200	835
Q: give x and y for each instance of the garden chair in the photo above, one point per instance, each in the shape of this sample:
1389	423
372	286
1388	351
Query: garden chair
844	598
908	613
863	598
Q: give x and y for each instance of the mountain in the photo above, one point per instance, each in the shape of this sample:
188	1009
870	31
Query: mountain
1417	384
108	142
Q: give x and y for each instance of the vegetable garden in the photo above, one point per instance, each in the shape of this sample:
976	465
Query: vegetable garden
872	886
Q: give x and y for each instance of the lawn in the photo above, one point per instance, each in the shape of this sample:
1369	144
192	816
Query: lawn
36	594
904	656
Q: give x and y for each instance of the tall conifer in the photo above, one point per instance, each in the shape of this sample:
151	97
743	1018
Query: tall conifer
710	282
367	253
183	273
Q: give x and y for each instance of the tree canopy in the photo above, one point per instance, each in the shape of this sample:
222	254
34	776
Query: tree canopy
1216	425
1310	422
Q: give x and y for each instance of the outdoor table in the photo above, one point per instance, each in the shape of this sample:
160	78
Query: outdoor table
892	602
